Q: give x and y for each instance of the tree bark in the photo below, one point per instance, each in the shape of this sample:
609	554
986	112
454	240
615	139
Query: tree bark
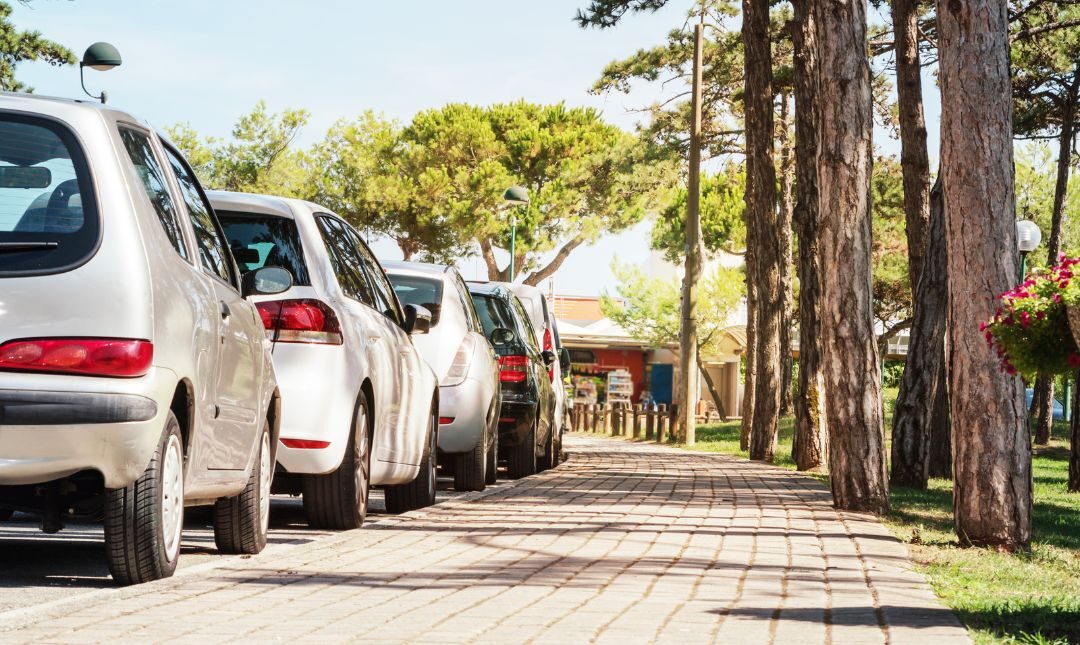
914	159
1043	396
786	212
538	276
1074	444
941	428
711	386
810	447
923	381
747	407
852	368
991	445
761	210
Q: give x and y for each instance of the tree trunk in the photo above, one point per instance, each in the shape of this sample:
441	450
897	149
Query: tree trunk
923	381
711	386
1074	444
810	447
747	407
941	428
914	159
991	445
852	369
1043	399
786	212
761	209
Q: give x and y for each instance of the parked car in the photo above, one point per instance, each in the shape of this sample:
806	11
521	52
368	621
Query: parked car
1058	408
360	407
547	330
134	377
465	365
526	422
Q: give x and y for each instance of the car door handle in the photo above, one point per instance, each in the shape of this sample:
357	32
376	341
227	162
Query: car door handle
374	339
225	311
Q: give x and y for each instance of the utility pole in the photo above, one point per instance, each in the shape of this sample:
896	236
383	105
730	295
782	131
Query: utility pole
688	349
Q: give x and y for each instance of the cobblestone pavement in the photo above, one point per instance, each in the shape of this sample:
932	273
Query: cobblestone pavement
625	543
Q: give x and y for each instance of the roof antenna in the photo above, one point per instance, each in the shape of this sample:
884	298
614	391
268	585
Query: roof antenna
102	57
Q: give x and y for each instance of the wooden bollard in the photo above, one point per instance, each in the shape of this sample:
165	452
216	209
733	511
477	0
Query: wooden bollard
598	418
650	423
661	423
587	414
635	412
675	428
616	420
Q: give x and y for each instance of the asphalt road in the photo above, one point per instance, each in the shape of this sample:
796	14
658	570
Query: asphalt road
37	568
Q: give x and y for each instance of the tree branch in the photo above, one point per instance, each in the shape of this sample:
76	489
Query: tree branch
536	277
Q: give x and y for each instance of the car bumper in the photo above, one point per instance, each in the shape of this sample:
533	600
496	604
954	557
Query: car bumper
50	430
516	419
468	404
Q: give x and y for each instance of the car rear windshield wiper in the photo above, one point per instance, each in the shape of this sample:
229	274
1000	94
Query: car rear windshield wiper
11	247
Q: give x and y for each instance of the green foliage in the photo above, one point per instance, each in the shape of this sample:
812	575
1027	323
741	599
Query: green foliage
19	46
648	308
723	228
893	372
1036	174
891	282
258	159
1044	46
607	13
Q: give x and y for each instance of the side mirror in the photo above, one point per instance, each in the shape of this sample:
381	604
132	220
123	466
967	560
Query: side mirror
417	319
564	361
267	281
501	336
549	357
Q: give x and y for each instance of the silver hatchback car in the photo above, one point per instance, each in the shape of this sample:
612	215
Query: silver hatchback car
134	374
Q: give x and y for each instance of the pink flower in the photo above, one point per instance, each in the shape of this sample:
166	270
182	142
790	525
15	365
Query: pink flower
1073	360
1025	319
982	326
1057	297
1041	315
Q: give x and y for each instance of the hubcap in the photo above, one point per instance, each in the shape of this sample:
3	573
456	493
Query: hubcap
265	474
172	497
432	447
361	459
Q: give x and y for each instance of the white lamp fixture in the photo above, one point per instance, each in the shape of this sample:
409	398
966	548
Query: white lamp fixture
1028	236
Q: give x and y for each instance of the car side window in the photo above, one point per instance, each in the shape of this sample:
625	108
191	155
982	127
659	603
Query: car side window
213	249
150	172
345	262
384	291
525	324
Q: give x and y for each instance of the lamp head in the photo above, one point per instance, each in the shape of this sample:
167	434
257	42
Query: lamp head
516	195
1028	236
102	57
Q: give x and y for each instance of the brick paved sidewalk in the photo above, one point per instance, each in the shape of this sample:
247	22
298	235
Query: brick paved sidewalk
623	544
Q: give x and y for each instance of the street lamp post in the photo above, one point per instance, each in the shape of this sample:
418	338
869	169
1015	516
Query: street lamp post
1028	237
102	57
515	196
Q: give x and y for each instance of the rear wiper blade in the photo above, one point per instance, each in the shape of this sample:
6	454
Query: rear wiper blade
6	247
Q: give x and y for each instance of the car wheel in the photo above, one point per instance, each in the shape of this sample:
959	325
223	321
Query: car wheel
241	522
556	457
547	460
492	474
470	468
144	520
5	514
338	501
521	459
420	492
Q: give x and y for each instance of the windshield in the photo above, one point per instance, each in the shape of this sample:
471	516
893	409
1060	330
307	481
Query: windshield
48	219
422	292
265	240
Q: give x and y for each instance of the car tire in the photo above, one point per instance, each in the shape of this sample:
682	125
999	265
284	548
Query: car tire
470	468
241	522
547	460
338	501
521	459
420	492
5	514
492	474
145	519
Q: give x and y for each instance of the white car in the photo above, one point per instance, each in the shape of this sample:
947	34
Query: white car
134	375
360	407
465	364
547	331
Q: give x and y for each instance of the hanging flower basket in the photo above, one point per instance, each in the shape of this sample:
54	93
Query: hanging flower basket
1036	330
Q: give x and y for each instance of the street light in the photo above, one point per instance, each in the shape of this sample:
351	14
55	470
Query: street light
102	57
1028	237
515	196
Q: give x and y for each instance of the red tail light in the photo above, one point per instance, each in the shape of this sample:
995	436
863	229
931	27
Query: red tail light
549	346
513	369
89	356
305	444
445	421
300	321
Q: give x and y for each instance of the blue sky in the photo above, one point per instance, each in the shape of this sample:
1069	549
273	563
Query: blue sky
207	62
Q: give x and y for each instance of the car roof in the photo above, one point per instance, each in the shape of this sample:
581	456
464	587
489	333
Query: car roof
416	268
63	108
489	288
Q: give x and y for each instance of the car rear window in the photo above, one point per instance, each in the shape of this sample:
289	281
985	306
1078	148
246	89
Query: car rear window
265	240
48	214
423	292
495	312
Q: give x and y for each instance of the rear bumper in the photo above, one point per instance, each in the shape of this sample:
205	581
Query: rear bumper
30	407
468	405
516	419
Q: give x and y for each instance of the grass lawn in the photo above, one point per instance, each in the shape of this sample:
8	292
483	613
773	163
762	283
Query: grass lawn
1002	598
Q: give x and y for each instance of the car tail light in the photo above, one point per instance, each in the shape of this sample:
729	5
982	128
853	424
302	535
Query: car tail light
89	356
300	321
445	421
459	369
513	369
305	444
549	346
